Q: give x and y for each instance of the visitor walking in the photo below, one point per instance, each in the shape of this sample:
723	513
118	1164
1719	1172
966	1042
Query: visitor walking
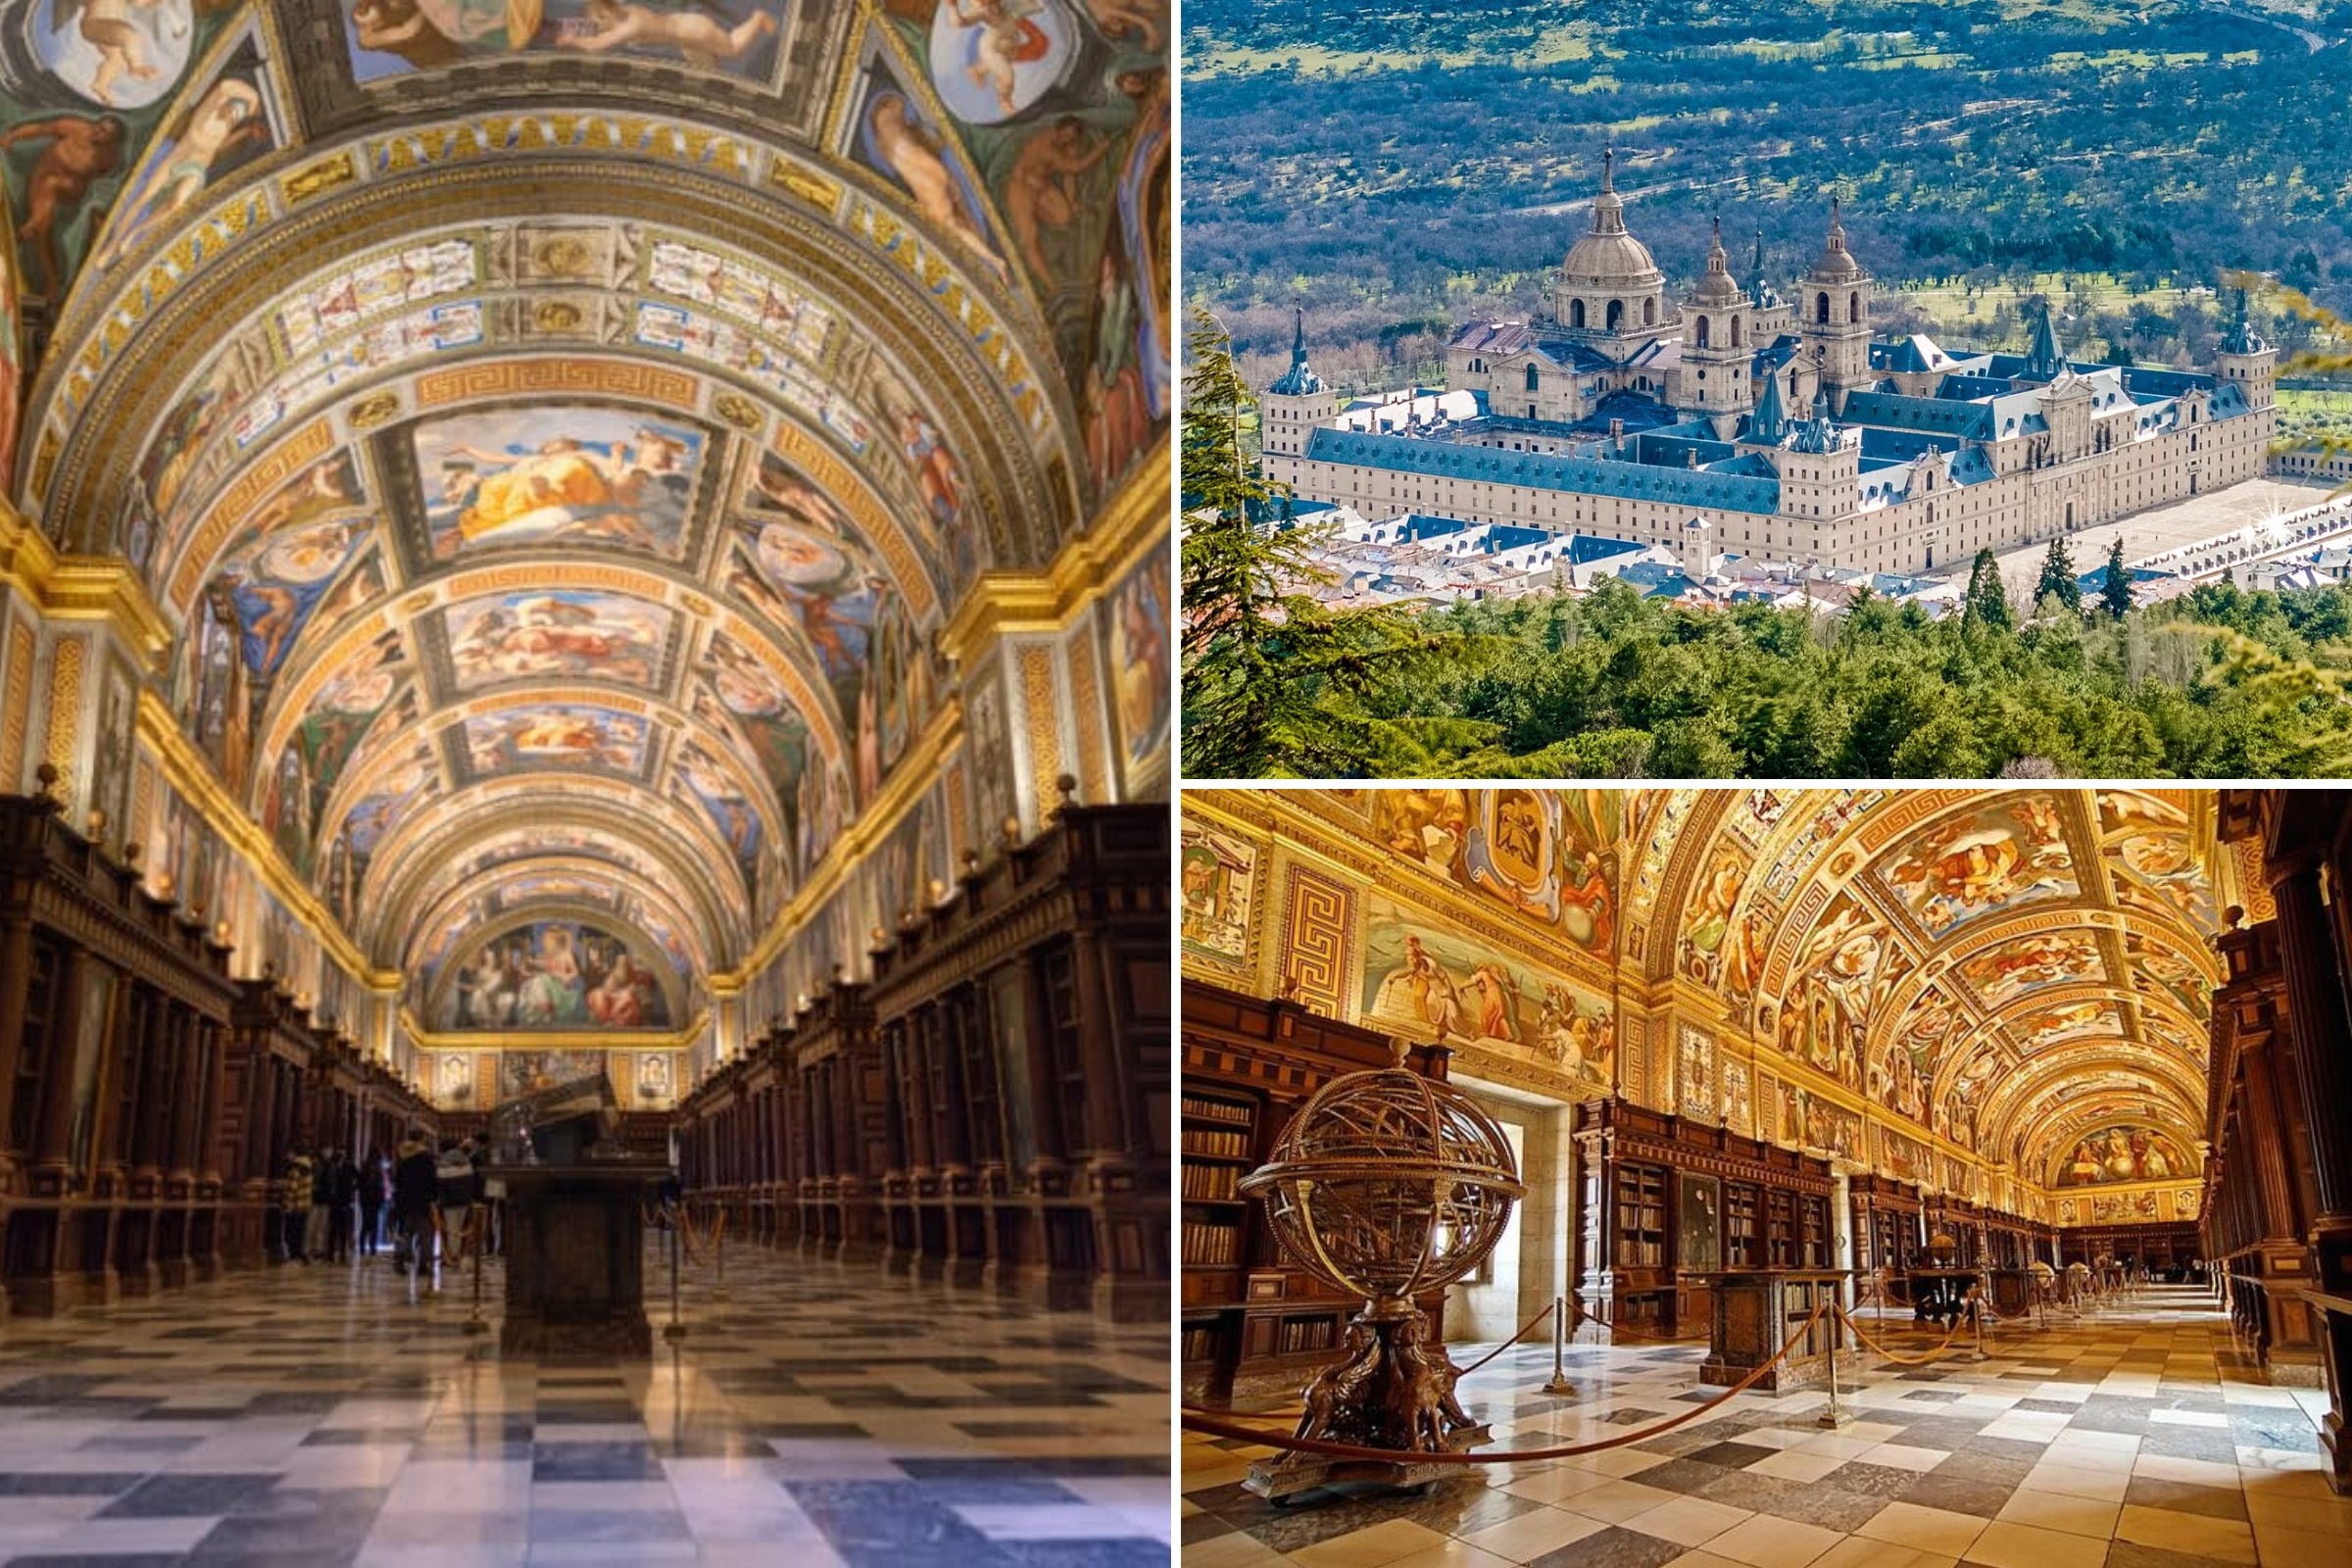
294	1207
372	1183
322	1207
459	1189
413	1188
344	1193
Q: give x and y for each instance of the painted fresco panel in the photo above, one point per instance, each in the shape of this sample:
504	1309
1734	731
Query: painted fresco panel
2002	855
556	634
1444	986
395	37
556	975
2120	1153
555	474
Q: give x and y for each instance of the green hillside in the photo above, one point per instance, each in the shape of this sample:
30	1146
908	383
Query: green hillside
1398	170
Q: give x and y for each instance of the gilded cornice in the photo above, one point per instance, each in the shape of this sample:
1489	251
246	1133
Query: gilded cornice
97	590
1132	527
917	771
191	776
554	1039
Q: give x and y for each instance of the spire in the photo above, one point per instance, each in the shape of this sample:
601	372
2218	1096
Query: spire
1608	211
1770	422
1299	381
2242	337
1817	434
1759	286
1717	261
2043	362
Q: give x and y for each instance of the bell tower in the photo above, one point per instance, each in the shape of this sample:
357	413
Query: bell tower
1717	344
1833	305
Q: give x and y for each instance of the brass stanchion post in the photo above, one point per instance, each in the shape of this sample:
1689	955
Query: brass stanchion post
674	1329
1836	1414
718	1256
1559	1383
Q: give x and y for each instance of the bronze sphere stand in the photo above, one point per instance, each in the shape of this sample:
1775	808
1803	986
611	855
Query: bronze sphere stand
1395	1390
1385	1185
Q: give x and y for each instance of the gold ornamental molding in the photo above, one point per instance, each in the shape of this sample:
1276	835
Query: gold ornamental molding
916	772
1130	525
88	590
192	777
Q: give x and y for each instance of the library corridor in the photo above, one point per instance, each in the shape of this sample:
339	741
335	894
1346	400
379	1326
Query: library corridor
1789	1179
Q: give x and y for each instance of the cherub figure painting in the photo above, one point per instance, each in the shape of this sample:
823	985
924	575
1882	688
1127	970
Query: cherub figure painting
121	54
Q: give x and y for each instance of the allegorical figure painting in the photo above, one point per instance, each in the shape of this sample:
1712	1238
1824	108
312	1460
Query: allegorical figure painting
226	128
2123	1154
1060	120
2001	856
1136	617
556	634
555	975
498	478
735	37
1452	989
557	735
1215	876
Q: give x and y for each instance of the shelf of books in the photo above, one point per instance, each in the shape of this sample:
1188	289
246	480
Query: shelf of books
1248	1315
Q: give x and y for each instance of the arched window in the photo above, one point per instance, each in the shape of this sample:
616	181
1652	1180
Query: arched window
1649	313
1821	309
1576	312
1533	379
1616	315
1735	331
1702	331
1853	305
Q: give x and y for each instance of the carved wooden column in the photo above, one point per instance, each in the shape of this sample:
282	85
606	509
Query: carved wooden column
2322	1053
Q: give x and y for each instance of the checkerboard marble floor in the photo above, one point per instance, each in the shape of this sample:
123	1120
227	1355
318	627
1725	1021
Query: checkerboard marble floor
827	1414
2130	1439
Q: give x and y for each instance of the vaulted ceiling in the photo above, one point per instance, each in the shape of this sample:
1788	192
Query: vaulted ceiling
2027	973
559	433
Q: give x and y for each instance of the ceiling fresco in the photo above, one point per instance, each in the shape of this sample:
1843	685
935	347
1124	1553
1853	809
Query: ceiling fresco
557	434
1976	963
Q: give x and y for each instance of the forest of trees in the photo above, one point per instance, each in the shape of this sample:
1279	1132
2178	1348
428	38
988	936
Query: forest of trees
1392	168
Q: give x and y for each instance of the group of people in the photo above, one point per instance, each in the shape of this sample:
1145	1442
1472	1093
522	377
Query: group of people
414	1205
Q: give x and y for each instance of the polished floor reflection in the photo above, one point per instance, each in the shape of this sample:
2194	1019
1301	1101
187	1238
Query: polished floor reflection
2126	1439
821	1414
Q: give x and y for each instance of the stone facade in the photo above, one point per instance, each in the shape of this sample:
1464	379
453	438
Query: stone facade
1914	456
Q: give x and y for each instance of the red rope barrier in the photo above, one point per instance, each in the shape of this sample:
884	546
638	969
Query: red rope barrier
1505	1345
1192	1419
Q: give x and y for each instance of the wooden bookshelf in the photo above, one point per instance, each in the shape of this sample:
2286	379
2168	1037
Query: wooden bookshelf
1250	1319
1743	1238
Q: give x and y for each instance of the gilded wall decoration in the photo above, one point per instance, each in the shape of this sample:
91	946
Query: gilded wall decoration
1318	929
1451	988
1216	883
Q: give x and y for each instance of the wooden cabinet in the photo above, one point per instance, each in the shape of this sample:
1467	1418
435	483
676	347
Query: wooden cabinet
147	1099
993	1106
1250	1319
1667	1203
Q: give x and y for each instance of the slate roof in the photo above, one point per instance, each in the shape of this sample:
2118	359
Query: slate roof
1543	471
